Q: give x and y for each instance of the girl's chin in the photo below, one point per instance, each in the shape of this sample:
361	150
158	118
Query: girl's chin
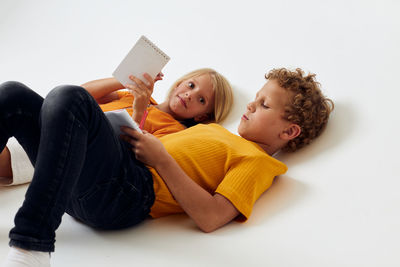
175	108
177	115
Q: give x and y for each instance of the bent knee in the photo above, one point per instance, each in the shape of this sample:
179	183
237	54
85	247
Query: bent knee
66	95
12	89
65	99
11	85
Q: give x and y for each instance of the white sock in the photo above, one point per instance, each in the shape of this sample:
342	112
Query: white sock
26	258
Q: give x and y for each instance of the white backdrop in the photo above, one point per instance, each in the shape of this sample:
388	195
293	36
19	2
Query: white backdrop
339	202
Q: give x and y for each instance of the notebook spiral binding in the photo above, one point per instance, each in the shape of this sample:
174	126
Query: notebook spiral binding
155	47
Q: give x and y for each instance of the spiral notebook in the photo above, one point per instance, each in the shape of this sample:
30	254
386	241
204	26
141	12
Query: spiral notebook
145	56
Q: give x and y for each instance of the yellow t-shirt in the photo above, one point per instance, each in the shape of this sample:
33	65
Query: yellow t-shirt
220	162
157	122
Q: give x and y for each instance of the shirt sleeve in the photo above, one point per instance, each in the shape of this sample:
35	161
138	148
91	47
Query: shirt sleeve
245	181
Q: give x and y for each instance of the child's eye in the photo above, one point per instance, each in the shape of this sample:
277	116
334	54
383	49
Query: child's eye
191	85
202	100
264	105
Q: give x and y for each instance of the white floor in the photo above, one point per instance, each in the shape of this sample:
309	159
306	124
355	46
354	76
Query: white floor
339	203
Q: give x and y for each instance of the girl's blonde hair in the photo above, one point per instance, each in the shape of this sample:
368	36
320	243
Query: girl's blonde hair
223	94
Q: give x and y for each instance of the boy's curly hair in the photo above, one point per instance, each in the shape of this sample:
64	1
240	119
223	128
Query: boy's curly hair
309	108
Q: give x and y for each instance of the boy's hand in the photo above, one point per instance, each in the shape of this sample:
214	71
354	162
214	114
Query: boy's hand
147	148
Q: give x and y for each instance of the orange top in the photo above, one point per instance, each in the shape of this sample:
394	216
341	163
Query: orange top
157	122
220	162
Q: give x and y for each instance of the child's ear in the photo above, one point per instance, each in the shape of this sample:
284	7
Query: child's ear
201	118
291	132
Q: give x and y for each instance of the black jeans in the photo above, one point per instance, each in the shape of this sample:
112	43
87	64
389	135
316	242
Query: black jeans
81	166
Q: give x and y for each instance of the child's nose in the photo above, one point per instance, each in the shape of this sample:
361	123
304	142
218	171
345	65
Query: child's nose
250	106
188	95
